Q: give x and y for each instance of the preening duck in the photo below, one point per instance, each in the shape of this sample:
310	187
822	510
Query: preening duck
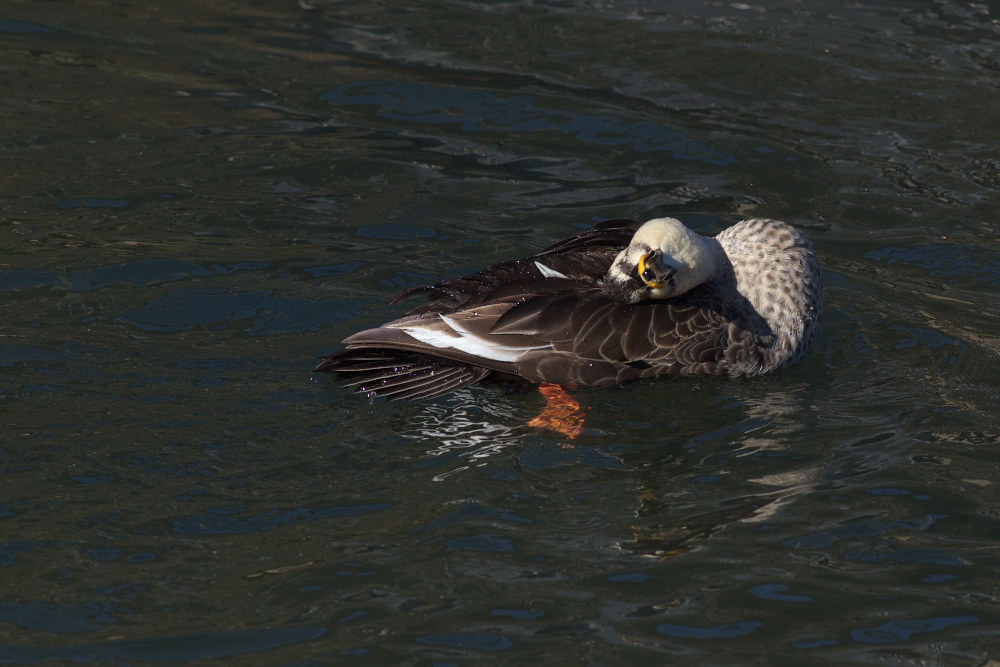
622	301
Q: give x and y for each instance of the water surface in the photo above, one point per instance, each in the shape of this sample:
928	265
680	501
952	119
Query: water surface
201	198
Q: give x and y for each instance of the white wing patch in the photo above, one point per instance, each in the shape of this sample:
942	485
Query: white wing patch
461	339
549	273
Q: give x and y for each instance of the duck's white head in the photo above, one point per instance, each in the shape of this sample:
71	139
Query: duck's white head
663	259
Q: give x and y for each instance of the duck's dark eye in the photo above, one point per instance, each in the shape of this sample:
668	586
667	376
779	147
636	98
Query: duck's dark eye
648	276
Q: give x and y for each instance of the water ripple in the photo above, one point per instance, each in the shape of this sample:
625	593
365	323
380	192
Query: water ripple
476	111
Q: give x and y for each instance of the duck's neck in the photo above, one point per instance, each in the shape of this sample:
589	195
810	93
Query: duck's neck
777	273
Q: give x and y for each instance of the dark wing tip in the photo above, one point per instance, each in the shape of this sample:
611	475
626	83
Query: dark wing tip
398	375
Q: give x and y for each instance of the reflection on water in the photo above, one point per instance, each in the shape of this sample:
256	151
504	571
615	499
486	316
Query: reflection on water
471	428
464	431
202	198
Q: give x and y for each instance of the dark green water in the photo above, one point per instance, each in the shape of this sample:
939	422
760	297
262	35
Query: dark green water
200	198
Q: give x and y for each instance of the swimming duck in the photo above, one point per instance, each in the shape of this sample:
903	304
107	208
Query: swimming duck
622	301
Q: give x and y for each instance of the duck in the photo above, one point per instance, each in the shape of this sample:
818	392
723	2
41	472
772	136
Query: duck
625	300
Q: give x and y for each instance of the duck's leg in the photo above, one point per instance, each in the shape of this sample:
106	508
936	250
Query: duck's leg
562	413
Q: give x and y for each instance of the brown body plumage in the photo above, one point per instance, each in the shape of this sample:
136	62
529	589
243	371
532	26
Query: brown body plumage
581	313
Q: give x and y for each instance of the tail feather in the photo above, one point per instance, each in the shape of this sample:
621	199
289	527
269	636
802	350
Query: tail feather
421	391
399	375
405	379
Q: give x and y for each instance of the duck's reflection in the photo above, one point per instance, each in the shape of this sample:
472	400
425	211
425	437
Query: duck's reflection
671	521
468	429
755	459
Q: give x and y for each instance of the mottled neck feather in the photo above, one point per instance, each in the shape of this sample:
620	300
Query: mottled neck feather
774	268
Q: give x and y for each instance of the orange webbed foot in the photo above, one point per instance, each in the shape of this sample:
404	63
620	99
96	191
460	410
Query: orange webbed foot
562	412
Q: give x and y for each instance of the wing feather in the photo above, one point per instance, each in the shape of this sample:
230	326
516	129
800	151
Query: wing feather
583	258
684	335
